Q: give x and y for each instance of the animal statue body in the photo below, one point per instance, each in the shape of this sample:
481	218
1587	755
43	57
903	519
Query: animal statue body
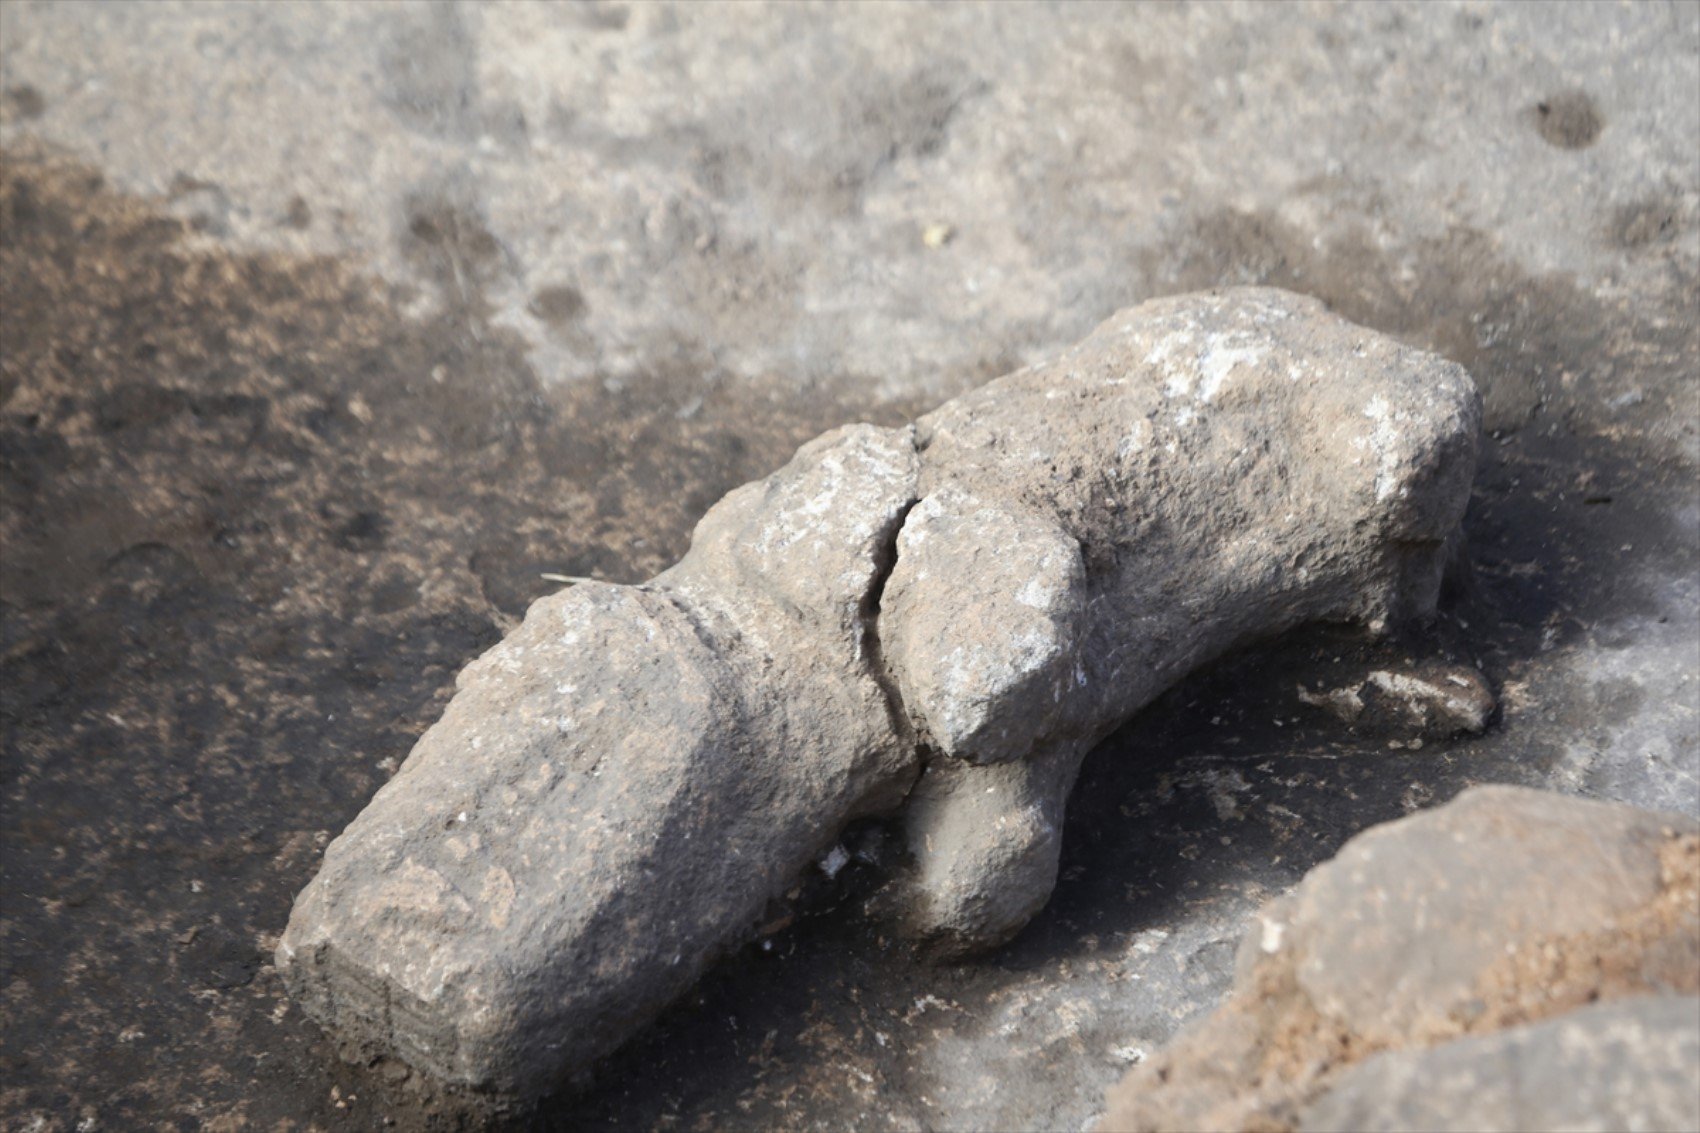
936	621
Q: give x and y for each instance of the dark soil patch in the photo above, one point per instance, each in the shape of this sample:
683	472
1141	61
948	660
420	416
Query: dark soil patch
253	524
1568	120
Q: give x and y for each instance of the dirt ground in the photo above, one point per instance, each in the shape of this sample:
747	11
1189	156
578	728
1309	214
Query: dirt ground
285	441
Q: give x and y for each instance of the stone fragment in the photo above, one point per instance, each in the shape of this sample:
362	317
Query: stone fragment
1393	934
947	616
1503	908
1423	701
1441	702
617	790
1633	1064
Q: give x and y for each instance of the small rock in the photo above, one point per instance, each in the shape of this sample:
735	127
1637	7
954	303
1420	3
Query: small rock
1424	702
937	235
1440	701
1344	703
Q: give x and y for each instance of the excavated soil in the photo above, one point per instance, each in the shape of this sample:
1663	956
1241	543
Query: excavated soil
256	511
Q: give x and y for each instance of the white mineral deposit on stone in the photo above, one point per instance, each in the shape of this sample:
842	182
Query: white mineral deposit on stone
836	859
1468	713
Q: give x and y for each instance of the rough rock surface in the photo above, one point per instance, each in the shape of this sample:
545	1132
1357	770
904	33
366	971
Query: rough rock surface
1197	473
1505	907
618	789
1634	1064
621	786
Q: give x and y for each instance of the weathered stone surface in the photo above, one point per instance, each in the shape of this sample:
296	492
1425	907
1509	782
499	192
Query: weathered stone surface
1634	1064
619	787
979	665
1503	908
1393	934
1199	472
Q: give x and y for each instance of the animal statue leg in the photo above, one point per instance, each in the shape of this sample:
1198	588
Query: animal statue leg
985	839
988	674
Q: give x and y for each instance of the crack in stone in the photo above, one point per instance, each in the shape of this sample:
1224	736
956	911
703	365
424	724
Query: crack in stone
885	561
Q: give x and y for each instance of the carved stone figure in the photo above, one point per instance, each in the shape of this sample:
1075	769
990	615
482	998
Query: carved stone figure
939	620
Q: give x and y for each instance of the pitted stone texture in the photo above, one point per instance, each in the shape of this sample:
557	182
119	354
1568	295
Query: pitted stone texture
1634	1064
1231	464
983	619
986	841
808	543
616	791
498	887
620	786
1363	928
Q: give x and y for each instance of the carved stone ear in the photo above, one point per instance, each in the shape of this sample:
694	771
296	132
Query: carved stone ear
985	667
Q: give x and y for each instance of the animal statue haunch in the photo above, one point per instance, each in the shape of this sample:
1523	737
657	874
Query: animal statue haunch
937	620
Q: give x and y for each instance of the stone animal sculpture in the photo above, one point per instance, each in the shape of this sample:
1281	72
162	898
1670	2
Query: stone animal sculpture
939	620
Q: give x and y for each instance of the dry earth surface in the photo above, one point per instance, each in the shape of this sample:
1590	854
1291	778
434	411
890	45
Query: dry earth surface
326	330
